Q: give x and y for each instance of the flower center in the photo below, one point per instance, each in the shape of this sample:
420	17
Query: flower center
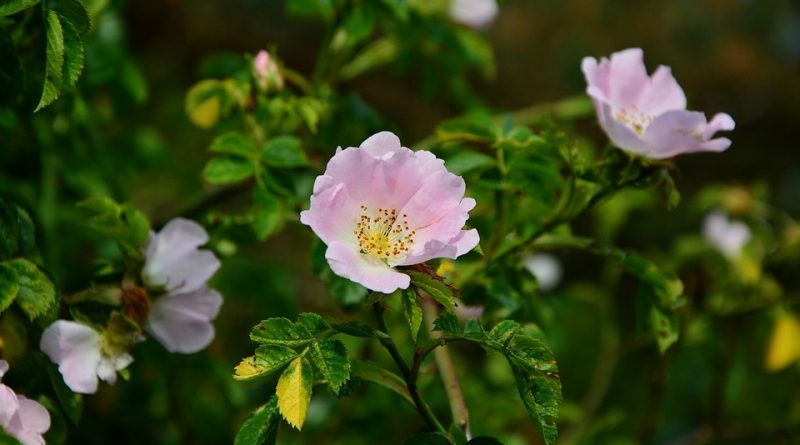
634	119
383	234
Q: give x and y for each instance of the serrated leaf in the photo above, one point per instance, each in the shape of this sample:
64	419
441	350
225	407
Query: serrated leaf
447	323
9	286
267	359
261	427
284	152
312	322
73	55
330	358
666	287
294	392
124	223
412	312
54	65
504	331
74	12
223	170
434	288
280	331
538	382
473	329
8	7
16	231
36	292
233	143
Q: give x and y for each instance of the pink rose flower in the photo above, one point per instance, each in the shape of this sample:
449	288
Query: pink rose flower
476	14
22	418
266	71
181	319
382	205
647	114
83	355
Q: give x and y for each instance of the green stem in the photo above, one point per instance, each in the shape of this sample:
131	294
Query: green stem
447	372
410	378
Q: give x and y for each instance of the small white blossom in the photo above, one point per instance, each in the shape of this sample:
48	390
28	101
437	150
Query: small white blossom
22	418
729	237
546	268
474	13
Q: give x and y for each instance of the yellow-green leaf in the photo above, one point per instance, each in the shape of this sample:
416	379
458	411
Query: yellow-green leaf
294	392
784	343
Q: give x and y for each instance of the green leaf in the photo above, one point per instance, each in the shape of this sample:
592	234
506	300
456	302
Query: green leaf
261	427
370	372
447	323
412	311
280	331
53	74
330	358
9	286
538	382
266	212
427	439
504	331
74	13
36	293
664	326
233	143
667	288
223	170
321	9
480	129
16	231
73	55
124	223
466	161
267	359
313	323
284	152
71	402
434	288
294	392
355	329
8	7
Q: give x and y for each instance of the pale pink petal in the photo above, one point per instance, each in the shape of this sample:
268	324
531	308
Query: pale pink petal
680	131
387	181
375	275
333	213
662	94
381	144
720	122
261	63
9	404
597	78
106	370
465	241
32	416
76	350
173	259
628	77
27	438
622	136
182	322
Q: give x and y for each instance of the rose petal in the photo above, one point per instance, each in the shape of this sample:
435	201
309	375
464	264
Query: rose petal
33	417
173	260
376	275
627	78
182	322
662	94
76	350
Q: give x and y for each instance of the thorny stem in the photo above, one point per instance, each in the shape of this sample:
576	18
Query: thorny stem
447	371
410	378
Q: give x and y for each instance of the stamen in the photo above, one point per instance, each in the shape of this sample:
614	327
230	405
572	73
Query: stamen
634	119
383	234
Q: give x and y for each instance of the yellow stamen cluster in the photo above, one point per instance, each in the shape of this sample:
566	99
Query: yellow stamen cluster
634	119
384	234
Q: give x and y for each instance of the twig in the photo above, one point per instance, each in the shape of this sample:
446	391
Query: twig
447	372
